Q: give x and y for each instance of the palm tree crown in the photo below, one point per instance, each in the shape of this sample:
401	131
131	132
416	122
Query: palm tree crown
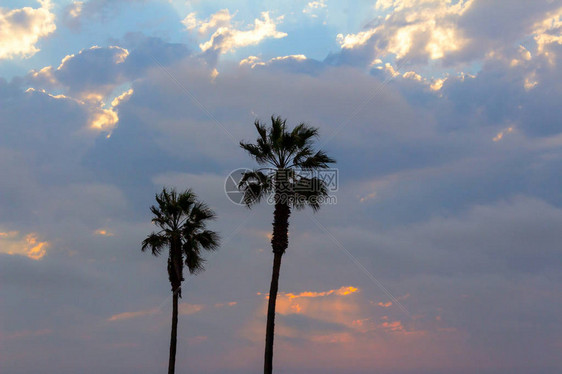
290	159
182	220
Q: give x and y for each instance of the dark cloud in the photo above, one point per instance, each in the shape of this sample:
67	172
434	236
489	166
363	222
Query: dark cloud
98	70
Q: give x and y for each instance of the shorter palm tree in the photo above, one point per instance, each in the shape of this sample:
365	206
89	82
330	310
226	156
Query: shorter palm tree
182	220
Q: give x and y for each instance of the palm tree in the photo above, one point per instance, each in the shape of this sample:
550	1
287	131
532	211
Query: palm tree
290	159
182	221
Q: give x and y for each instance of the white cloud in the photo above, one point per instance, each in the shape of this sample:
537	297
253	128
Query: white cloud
313	7
123	97
105	118
414	29
548	31
227	37
221	18
21	29
75	9
254	61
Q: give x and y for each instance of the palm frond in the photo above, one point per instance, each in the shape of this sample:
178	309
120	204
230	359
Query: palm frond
200	212
194	262
255	185
185	201
302	154
256	151
262	130
309	192
319	160
155	242
207	239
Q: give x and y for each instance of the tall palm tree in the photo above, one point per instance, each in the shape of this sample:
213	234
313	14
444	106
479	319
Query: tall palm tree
289	159
182	221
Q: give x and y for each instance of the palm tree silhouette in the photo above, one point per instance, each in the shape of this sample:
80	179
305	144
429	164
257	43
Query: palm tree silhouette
182	221
290	160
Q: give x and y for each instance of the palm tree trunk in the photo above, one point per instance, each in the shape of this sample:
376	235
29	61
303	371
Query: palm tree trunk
279	243
269	334
174	337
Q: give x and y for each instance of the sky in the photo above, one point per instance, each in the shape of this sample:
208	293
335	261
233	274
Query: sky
441	253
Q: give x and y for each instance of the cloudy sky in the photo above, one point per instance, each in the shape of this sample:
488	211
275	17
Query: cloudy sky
441	255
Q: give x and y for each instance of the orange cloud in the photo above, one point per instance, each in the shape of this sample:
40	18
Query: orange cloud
333	338
28	334
129	315
183	309
502	133
188	309
337	307
343	327
339	292
15	243
231	303
198	339
103	232
398	327
327	305
35	250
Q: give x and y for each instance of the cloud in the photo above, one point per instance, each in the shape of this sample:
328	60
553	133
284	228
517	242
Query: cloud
183	309
428	203
502	133
102	64
230	303
490	239
311	314
188	309
227	37
109	68
106	67
414	30
24	334
298	64
130	315
21	29
548	31
313	7
219	19
343	291
254	61
452	34
15	243
72	14
103	232
76	12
